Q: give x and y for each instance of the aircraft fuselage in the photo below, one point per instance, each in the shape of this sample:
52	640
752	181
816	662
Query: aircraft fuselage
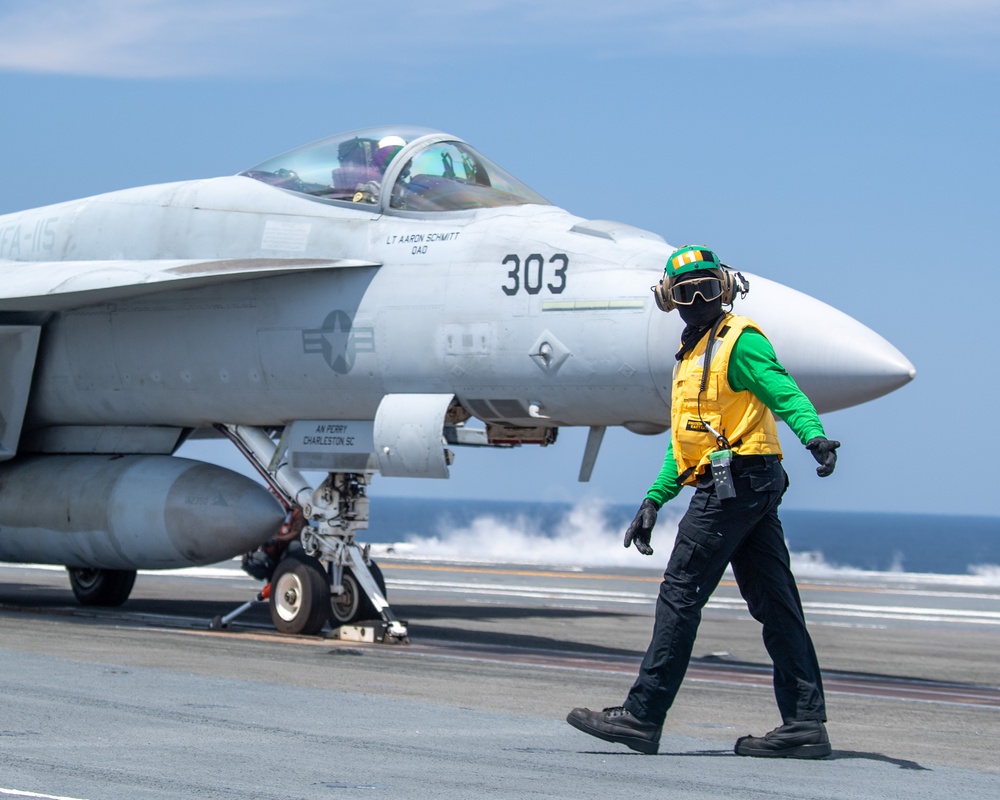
457	305
369	294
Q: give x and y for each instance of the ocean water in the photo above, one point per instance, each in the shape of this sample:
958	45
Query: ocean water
590	534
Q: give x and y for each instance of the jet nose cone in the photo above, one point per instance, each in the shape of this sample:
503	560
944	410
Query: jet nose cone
837	361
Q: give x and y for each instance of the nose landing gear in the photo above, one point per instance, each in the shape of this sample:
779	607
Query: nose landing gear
323	573
300	595
353	604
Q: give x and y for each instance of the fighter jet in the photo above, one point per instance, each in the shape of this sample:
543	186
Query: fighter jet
360	305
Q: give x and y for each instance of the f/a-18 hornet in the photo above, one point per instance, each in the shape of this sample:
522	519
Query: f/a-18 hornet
359	305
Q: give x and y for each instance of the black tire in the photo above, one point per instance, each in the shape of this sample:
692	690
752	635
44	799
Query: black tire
353	604
101	587
300	592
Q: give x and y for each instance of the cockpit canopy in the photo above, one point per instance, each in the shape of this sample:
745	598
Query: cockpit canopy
427	171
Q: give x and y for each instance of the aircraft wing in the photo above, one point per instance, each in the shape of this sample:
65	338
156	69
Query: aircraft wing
58	285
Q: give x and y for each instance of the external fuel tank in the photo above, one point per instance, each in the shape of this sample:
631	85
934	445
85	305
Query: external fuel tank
129	512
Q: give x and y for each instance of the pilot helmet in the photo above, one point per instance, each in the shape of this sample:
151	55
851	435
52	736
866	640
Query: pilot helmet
388	146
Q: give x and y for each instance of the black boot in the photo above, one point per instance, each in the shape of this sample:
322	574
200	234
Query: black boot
617	725
799	739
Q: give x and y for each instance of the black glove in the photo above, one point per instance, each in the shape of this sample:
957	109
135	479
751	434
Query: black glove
825	452
641	527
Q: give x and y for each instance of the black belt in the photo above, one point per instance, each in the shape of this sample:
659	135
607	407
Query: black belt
742	463
739	465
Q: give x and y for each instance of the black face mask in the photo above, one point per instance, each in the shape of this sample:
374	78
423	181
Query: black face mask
701	313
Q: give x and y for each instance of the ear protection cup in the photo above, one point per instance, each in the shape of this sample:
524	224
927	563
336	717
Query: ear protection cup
728	288
732	282
661	294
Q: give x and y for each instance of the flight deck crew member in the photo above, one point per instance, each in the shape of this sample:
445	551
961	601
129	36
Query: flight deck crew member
724	442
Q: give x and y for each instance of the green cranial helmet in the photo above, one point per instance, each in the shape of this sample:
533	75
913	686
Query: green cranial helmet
689	258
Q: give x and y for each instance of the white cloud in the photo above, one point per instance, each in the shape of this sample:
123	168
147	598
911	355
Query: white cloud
141	38
150	38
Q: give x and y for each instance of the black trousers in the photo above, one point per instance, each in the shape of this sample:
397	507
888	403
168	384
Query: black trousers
745	531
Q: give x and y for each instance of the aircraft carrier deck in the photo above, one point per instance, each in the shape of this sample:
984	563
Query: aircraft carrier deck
145	701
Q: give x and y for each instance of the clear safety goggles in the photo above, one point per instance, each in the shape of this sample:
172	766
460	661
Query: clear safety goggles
683	294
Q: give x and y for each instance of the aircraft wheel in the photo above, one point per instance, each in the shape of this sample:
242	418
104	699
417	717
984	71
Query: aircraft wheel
299	592
101	587
353	604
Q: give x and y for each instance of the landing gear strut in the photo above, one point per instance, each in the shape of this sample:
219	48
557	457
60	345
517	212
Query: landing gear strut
304	593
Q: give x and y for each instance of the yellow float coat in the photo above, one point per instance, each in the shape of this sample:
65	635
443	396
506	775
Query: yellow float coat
741	417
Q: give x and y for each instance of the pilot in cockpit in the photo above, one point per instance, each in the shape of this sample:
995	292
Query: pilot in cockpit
362	166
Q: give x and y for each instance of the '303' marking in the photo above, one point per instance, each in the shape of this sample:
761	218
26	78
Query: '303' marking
535	272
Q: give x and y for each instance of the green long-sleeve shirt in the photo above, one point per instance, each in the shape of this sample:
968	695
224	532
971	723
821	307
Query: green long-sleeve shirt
753	367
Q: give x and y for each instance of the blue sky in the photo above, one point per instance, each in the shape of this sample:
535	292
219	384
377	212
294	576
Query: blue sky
847	149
